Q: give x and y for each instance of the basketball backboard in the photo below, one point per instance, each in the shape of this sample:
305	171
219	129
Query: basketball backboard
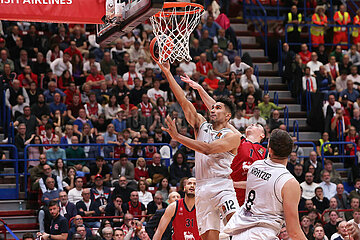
125	16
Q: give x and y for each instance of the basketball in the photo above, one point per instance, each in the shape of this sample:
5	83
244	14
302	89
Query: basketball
161	50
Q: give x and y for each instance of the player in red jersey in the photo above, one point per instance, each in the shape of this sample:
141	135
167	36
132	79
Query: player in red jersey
183	216
248	151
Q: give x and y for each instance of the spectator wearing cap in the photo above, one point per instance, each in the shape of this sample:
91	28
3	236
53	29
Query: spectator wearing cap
123	167
100	193
102	168
350	92
221	91
120	121
3	44
87	64
136	121
88	208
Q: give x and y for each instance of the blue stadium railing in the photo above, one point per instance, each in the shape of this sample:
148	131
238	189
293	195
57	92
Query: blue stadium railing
14	159
342	157
26	159
296	129
257	14
18	161
310	44
286	118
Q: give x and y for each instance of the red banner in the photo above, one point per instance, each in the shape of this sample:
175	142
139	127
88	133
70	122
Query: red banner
62	11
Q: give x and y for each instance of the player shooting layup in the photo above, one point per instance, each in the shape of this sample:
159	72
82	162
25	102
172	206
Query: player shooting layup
273	195
215	147
249	150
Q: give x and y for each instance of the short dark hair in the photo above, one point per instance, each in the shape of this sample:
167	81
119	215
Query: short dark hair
53	203
28	235
281	143
99	158
318	188
228	104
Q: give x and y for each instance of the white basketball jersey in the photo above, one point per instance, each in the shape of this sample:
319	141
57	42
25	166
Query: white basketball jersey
263	202
213	165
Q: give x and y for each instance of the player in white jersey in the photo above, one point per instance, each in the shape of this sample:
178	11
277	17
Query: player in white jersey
272	196
215	146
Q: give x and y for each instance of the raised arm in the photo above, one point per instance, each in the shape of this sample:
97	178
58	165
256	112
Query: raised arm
165	220
205	97
228	143
193	118
291	197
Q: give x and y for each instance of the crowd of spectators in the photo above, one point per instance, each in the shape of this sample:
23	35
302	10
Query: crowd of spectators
63	88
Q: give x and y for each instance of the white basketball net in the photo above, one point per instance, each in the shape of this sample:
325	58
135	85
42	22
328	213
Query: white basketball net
173	32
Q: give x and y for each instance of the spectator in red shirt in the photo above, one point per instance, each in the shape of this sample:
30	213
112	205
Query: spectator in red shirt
27	77
338	119
134	206
351	137
95	79
72	50
141	171
305	54
203	66
211	80
65	80
70	92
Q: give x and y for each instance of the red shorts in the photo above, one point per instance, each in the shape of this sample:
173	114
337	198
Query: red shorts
316	40
356	39
340	37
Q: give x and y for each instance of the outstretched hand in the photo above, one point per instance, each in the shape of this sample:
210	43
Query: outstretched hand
171	129
191	83
165	66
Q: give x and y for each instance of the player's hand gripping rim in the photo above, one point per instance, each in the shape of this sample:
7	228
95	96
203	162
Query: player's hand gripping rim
171	127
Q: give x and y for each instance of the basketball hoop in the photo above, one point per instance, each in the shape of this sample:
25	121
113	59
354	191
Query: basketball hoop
172	27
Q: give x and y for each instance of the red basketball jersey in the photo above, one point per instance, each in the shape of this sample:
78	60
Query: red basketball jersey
184	223
247	154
